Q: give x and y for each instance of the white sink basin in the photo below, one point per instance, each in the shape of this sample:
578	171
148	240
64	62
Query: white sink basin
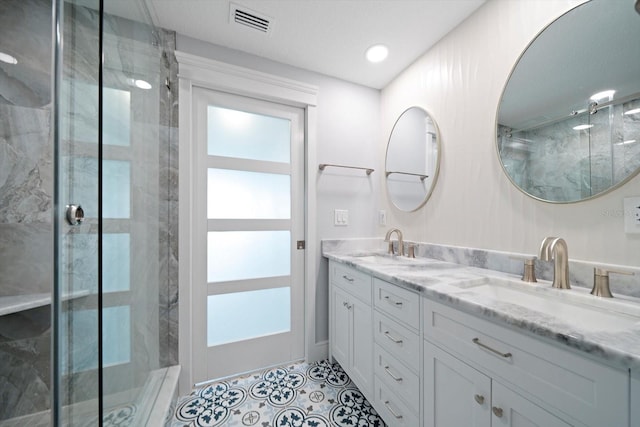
575	307
386	259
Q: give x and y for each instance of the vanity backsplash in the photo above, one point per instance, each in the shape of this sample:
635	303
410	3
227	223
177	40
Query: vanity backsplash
580	272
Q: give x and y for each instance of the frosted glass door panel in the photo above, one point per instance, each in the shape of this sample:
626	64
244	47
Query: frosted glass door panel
234	194
233	133
245	315
116	335
81	327
240	255
116	190
116	264
116	118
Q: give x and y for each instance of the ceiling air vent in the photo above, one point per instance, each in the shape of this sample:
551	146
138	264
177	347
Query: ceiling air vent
240	15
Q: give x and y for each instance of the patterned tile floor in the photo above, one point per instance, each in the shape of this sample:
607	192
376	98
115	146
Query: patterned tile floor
302	395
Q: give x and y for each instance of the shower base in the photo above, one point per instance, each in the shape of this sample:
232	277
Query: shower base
153	407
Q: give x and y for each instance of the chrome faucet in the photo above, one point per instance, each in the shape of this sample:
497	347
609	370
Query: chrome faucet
387	238
556	248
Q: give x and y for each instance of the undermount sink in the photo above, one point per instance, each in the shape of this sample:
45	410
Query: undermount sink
575	307
385	259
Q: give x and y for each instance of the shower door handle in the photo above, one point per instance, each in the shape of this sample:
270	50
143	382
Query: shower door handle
75	214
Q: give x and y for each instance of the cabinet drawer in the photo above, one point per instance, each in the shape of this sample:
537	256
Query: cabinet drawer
400	380
393	410
398	340
352	281
588	391
400	303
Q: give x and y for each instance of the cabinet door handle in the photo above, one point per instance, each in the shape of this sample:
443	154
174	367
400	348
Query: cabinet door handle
390	301
497	411
479	398
395	340
347	278
398	379
398	417
494	351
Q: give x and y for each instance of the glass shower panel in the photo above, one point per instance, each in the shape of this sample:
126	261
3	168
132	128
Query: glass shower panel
76	317
112	156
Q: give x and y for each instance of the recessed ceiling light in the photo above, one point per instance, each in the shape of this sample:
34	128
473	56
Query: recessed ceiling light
582	127
142	84
602	95
5	57
634	111
377	53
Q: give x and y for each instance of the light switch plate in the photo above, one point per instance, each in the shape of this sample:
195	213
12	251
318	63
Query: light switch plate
340	217
632	215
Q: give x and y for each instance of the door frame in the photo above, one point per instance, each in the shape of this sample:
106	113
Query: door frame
195	71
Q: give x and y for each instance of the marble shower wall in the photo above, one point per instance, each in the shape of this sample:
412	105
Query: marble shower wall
556	162
26	177
26	187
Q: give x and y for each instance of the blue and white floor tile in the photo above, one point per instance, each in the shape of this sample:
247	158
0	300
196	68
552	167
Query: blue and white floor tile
302	395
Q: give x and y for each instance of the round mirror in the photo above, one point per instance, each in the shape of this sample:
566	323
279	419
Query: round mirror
568	124
413	159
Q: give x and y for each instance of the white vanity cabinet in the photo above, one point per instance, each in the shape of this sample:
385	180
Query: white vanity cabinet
635	398
351	334
458	395
484	373
397	354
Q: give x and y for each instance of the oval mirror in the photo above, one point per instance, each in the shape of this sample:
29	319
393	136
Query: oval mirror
413	159
568	124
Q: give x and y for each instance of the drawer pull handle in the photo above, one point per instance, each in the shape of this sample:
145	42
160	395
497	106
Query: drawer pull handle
486	347
395	340
390	301
347	278
497	411
346	304
398	379
479	398
398	417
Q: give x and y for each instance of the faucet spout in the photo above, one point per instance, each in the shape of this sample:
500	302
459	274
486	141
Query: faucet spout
387	238
556	248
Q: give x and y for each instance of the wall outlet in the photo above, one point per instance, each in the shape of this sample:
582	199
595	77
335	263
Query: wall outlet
382	217
632	215
341	217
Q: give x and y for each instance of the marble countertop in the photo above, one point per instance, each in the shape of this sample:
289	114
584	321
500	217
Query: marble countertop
453	284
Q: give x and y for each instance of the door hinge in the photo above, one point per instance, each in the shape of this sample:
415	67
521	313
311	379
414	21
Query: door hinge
300	244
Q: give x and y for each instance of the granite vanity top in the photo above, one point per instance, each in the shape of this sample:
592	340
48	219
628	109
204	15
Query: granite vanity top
453	284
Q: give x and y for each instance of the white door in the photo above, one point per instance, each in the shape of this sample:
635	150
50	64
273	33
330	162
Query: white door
249	213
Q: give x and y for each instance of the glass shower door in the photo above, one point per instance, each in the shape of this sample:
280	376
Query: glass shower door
76	300
112	157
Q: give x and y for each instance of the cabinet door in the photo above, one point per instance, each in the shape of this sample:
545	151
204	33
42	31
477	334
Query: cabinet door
340	326
455	394
362	337
509	409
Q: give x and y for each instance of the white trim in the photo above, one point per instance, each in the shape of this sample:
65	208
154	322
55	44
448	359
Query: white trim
244	81
210	74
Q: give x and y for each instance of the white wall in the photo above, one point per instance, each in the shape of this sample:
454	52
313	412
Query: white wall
460	81
348	132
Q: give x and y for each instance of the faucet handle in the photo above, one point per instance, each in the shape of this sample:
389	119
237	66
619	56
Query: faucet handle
601	281
529	273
